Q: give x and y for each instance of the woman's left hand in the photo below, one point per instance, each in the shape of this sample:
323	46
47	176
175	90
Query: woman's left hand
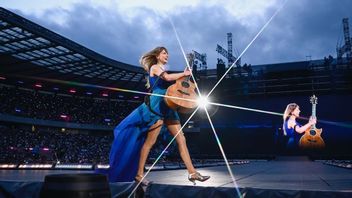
312	120
187	72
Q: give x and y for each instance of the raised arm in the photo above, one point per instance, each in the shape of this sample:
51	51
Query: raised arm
301	129
155	70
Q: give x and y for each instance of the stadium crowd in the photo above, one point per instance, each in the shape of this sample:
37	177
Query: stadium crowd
51	106
31	144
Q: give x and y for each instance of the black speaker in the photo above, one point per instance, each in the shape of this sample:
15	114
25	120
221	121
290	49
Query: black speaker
75	186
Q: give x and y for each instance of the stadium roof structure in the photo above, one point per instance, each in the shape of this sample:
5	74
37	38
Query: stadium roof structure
28	49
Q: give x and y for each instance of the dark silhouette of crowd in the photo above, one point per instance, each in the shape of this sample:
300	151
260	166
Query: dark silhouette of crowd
28	144
33	144
22	143
59	107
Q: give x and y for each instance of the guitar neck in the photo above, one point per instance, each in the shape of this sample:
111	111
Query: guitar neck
188	78
314	108
190	58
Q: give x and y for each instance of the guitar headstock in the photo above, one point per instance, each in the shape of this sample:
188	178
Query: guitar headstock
314	99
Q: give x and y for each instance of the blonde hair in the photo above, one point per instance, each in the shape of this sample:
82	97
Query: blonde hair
149	59
288	111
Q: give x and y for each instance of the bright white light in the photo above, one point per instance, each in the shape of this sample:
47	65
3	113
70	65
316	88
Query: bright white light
202	102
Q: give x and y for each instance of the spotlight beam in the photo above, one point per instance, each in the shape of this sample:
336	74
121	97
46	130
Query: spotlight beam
103	87
223	154
218	141
162	153
345	125
184	54
339	124
336	123
245	108
159	95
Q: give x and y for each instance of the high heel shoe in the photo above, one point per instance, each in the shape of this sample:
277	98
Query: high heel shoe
144	182
197	176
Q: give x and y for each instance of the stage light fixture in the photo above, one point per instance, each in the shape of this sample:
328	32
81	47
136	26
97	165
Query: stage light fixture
35	166
8	166
74	166
103	166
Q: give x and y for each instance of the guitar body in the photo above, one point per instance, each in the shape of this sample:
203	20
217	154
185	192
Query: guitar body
312	139
312	136
182	88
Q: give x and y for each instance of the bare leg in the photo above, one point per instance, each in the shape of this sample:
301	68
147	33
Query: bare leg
182	147
148	144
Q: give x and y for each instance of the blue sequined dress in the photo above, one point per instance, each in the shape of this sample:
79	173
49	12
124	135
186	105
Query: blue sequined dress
130	134
293	136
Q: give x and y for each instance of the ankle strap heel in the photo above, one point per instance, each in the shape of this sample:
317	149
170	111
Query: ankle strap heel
197	176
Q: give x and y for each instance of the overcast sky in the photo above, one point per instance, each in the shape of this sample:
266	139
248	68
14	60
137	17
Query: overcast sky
123	31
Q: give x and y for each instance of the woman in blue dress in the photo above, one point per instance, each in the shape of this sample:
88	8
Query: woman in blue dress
137	133
292	129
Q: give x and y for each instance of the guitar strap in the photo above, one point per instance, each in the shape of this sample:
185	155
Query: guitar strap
147	97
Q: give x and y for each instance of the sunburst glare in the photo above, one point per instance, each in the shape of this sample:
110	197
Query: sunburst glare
203	102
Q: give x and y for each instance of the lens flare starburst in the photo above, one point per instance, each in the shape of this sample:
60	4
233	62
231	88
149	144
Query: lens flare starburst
203	102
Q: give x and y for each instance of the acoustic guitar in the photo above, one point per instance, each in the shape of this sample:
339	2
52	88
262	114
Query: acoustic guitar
183	88
312	136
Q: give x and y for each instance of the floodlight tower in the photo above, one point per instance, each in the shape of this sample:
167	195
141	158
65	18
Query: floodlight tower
346	48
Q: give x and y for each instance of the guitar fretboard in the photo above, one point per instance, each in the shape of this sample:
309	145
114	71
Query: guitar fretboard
314	107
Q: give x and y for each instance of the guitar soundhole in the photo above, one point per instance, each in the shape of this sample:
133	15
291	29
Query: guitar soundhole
312	132
185	84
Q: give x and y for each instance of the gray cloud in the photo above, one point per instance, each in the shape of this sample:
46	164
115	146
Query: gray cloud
302	28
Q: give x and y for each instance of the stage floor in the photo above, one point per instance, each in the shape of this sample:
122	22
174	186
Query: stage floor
284	173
